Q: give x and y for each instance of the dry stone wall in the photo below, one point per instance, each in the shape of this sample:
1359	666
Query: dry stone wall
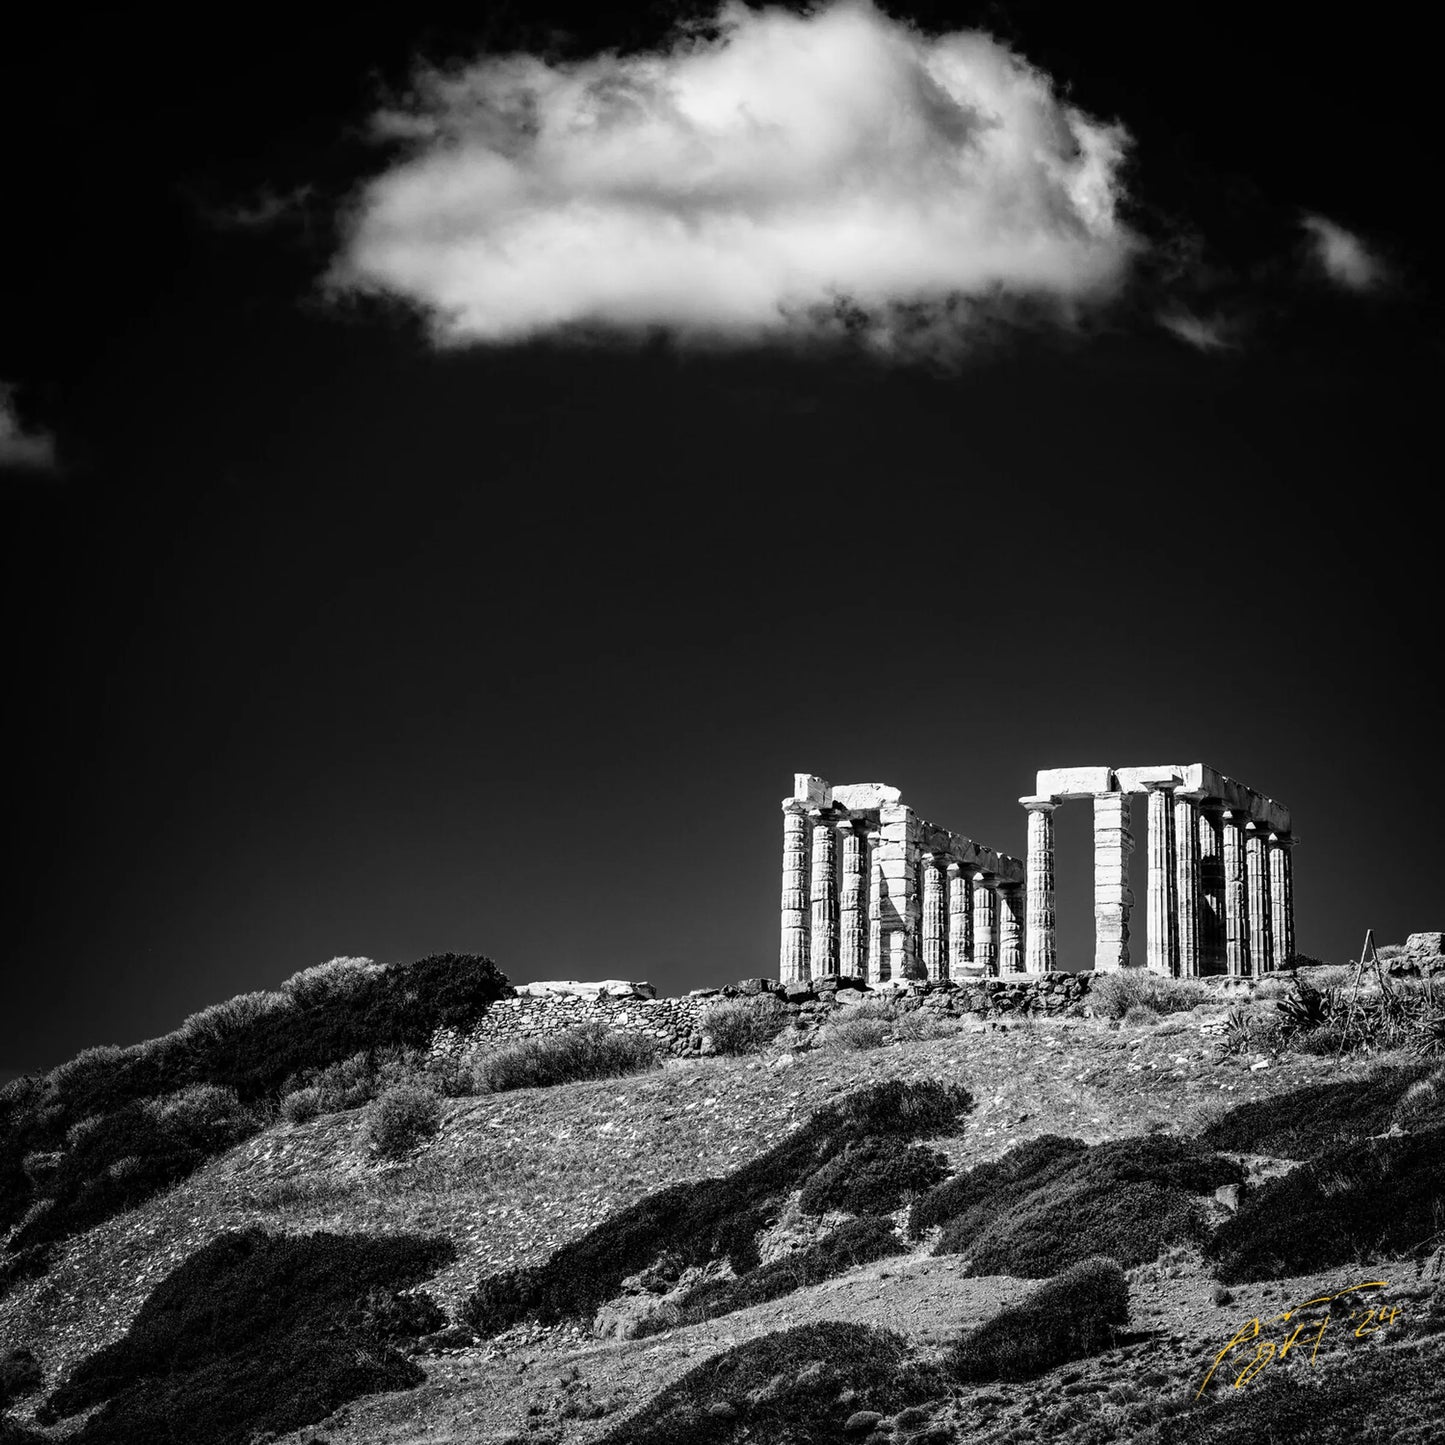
536	1010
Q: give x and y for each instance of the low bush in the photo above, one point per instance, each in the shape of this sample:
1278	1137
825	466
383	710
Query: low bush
859	1241
797	1385
403	1117
744	1025
19	1375
1041	1214
300	1106
1423	1103
589	1051
1068	1318
872	1177
1352	1201
916	1026
707	1219
1302	1122
1112	995
251	1333
857	1034
1140	1015
326	983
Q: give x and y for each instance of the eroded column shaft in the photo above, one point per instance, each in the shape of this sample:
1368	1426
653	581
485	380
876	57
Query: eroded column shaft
1236	897
793	959
852	906
985	923
960	919
1160	956
1113	898
1041	955
875	913
1010	927
1256	867
1186	885
935	918
823	953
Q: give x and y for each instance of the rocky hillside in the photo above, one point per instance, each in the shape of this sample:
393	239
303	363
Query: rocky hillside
510	1178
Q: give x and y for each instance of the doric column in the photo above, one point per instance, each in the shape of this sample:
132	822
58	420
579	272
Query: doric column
1211	887
935	918
1042	948
1010	927
1256	868
1186	881
899	847
793	960
852	906
1113	898
875	915
1236	896
960	920
823	954
1160	953
985	923
1281	897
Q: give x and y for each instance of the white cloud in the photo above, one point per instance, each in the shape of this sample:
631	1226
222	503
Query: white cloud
1342	255
785	176
30	450
1203	333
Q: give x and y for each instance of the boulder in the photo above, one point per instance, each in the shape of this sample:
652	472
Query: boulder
1429	944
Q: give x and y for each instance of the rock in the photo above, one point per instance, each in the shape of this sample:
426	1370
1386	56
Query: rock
723	1410
750	986
1426	943
860	1422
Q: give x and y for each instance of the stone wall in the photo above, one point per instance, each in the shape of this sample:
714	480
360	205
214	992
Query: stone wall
537	1009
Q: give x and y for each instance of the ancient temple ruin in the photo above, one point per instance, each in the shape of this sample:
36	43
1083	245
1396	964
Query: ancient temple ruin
872	890
1220	881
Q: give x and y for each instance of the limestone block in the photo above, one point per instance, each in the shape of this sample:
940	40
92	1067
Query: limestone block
1426	943
865	797
811	790
1073	782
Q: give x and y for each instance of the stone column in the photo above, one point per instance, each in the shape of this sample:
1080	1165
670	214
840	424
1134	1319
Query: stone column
1010	927
1211	887
852	906
1186	881
1160	950
1256	868
1236	899
899	849
960	920
1281	897
875	915
1113	898
793	960
823	955
985	921
935	918
1042	955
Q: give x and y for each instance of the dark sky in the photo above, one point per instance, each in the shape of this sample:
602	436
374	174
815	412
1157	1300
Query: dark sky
322	641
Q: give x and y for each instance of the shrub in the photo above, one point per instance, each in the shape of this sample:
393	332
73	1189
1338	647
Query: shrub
1042	1214
251	1333
217	1026
589	1051
859	1241
706	1219
744	1025
854	1033
402	1118
919	1025
300	1106
333	982
19	1375
1357	1200
871	1177
1112	995
1421	1104
204	1119
1301	1122
1066	1319
796	1385
1142	1015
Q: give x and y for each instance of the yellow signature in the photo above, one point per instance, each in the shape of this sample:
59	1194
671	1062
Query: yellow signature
1267	1351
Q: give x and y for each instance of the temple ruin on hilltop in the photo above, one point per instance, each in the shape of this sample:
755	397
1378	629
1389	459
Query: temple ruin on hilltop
872	890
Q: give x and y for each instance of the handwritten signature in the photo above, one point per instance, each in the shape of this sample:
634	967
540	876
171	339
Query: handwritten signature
1267	1351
